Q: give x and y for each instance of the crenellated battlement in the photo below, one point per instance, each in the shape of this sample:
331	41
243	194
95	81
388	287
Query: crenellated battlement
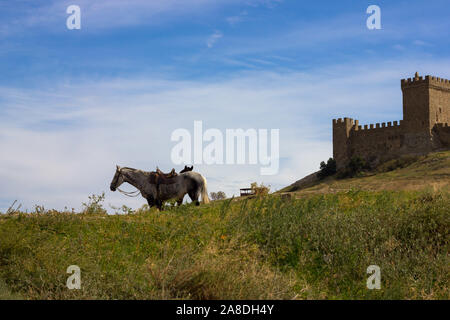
373	126
428	80
377	126
341	121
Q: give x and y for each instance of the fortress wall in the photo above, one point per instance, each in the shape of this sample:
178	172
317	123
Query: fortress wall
376	142
442	131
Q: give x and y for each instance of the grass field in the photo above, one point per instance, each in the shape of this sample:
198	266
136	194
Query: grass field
315	246
318	247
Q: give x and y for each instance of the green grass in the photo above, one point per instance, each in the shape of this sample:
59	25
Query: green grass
318	247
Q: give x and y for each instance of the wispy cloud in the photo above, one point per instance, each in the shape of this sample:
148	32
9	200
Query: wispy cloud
101	14
214	38
421	43
266	3
234	20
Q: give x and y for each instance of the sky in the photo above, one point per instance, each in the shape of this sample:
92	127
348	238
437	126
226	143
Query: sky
74	103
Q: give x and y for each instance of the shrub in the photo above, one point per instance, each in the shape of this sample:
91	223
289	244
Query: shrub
260	190
327	169
94	205
354	167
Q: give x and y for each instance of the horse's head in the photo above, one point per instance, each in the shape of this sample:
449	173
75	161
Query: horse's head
117	180
187	169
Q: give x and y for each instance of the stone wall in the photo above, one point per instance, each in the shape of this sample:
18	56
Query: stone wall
442	133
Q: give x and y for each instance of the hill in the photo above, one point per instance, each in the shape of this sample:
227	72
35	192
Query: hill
410	173
317	245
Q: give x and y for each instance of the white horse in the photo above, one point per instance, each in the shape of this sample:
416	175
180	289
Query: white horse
192	183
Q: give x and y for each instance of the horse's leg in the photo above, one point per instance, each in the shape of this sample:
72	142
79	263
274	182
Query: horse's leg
179	202
159	205
153	202
194	195
150	201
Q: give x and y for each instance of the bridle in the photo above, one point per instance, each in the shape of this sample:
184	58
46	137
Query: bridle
130	194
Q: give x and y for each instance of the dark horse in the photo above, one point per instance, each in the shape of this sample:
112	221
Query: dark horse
158	187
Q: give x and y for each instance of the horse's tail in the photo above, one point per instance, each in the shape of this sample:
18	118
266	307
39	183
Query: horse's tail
204	191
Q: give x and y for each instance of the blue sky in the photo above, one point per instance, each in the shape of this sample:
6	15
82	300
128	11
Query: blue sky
73	103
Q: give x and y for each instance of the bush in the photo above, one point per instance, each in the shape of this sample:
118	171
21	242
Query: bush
260	190
327	169
354	168
357	164
94	205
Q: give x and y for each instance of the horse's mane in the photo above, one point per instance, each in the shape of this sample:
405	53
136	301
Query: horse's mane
146	172
129	168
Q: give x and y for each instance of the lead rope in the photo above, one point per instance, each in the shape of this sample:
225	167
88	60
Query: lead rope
130	194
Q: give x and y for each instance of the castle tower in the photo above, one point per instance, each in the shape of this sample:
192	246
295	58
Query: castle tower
341	135
426	102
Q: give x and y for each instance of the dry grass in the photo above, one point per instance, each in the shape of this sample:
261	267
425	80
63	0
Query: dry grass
430	172
221	271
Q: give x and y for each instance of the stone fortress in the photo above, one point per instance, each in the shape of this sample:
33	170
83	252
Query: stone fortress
424	128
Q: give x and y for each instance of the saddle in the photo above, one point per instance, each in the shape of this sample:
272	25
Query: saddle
171	174
158	177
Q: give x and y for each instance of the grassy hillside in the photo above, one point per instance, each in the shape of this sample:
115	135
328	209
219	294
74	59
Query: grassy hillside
412	173
318	247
